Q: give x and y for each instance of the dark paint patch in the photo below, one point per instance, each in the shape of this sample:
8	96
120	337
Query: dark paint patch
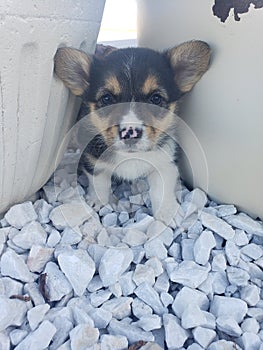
221	9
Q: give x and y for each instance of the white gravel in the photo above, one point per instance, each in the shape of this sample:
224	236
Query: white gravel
73	278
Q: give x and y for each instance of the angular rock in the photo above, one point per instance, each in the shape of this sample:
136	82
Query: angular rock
149	322
43	210
57	284
250	341
42	336
31	234
38	257
246	223
253	251
228	325
71	236
237	276
134	237
217	225
14	266
83	336
36	315
232	253
149	295
193	317
140	309
126	283
250	325
250	294
17	335
203	246
131	332
100	317
53	238
110	220
13	312
204	336
113	264
70	214
113	342
155	247
189	274
78	267
99	297
224	345
219	262
221	305
144	273
119	307
172	326
21	214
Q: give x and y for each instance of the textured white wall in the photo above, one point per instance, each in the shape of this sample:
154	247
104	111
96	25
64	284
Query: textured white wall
36	109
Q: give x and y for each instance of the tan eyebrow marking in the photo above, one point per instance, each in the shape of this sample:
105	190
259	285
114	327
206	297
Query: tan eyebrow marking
112	84
150	85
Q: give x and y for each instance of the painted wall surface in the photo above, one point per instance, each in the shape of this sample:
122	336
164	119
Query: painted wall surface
36	110
224	110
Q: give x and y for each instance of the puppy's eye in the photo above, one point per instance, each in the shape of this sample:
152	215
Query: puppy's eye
156	99
107	99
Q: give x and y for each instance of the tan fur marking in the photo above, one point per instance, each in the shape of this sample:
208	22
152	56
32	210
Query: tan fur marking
150	85
160	126
112	84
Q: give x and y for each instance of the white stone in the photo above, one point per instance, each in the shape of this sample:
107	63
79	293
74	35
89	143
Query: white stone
162	283
246	223
64	326
240	238
193	317
228	325
113	264
232	253
134	237
119	307
110	220
131	332
224	345
149	322
57	283
166	298
217	225
144	273
149	295
99	297
10	286
237	276
83	336
252	250
189	274
70	214
43	210
140	309
21	214
250	294
220	306
172	327
204	336
14	266
39	339
100	317
123	217
143	224
195	346
203	246
156	265
155	247
53	238
36	315
38	257
226	210
187	246
17	335
113	342
71	236
78	267
126	283
13	312
175	251
151	346
197	197
250	341
219	262
32	233
80	316
250	325
96	252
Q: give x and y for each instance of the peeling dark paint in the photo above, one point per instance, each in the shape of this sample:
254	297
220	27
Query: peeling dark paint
221	9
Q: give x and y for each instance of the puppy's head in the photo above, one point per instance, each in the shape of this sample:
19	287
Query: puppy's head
138	88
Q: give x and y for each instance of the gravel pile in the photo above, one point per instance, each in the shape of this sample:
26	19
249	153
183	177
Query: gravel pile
74	278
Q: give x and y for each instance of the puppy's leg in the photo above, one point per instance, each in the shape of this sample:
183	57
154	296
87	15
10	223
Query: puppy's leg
163	182
99	189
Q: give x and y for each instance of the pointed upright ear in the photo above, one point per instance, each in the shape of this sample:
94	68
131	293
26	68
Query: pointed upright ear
72	67
189	62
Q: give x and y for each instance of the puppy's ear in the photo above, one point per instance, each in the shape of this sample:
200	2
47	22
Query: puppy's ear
72	67
189	61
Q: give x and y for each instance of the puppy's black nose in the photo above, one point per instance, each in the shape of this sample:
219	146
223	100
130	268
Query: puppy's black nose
130	133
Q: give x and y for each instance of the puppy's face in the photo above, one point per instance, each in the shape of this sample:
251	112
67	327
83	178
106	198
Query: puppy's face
132	93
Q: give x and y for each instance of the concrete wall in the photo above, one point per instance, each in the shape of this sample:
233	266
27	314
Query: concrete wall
36	109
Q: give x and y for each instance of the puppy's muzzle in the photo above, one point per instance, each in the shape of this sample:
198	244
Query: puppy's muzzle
130	134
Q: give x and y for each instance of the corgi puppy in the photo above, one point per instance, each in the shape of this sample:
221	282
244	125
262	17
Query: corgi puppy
131	95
